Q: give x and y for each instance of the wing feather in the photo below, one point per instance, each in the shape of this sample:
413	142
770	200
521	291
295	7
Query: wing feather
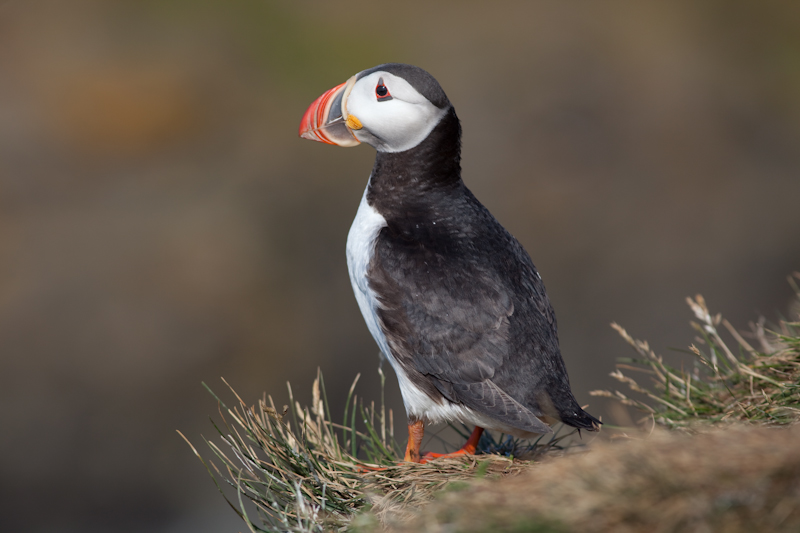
455	304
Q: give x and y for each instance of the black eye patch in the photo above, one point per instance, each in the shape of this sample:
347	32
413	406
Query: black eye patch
382	92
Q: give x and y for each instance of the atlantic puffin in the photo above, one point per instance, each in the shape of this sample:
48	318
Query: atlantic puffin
452	299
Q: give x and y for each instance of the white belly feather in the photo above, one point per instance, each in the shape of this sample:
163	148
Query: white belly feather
360	247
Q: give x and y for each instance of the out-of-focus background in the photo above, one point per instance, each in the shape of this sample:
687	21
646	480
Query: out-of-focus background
161	224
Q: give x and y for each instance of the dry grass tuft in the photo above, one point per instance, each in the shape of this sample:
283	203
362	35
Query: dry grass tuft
301	472
729	382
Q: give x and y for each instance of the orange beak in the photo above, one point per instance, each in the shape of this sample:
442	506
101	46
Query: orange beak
325	120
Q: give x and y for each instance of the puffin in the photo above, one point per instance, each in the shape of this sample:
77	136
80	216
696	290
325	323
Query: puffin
453	301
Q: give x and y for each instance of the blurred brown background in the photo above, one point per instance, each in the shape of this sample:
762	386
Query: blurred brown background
161	224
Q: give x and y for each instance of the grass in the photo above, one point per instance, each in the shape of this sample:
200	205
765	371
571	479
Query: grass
731	467
729	381
294	469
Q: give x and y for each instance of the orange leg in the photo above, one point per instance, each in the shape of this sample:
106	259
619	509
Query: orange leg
469	447
416	430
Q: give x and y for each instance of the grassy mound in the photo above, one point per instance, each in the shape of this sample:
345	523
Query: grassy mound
737	480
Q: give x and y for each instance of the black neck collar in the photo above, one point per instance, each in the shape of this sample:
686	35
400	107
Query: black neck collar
434	164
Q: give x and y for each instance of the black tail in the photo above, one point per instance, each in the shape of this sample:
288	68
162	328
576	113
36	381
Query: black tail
581	420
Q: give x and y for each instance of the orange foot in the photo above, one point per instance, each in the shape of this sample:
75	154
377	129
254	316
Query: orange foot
415	432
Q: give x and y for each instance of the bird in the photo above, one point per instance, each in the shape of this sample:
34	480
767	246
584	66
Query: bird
452	299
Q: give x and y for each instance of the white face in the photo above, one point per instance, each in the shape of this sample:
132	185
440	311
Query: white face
395	122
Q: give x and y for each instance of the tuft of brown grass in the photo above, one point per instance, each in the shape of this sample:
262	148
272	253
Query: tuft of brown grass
730	381
294	469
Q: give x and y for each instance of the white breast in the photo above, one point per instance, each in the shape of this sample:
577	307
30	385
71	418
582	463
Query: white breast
360	247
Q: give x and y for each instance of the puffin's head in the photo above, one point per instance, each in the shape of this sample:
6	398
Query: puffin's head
392	107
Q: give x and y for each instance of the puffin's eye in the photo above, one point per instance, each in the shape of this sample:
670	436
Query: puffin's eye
382	92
